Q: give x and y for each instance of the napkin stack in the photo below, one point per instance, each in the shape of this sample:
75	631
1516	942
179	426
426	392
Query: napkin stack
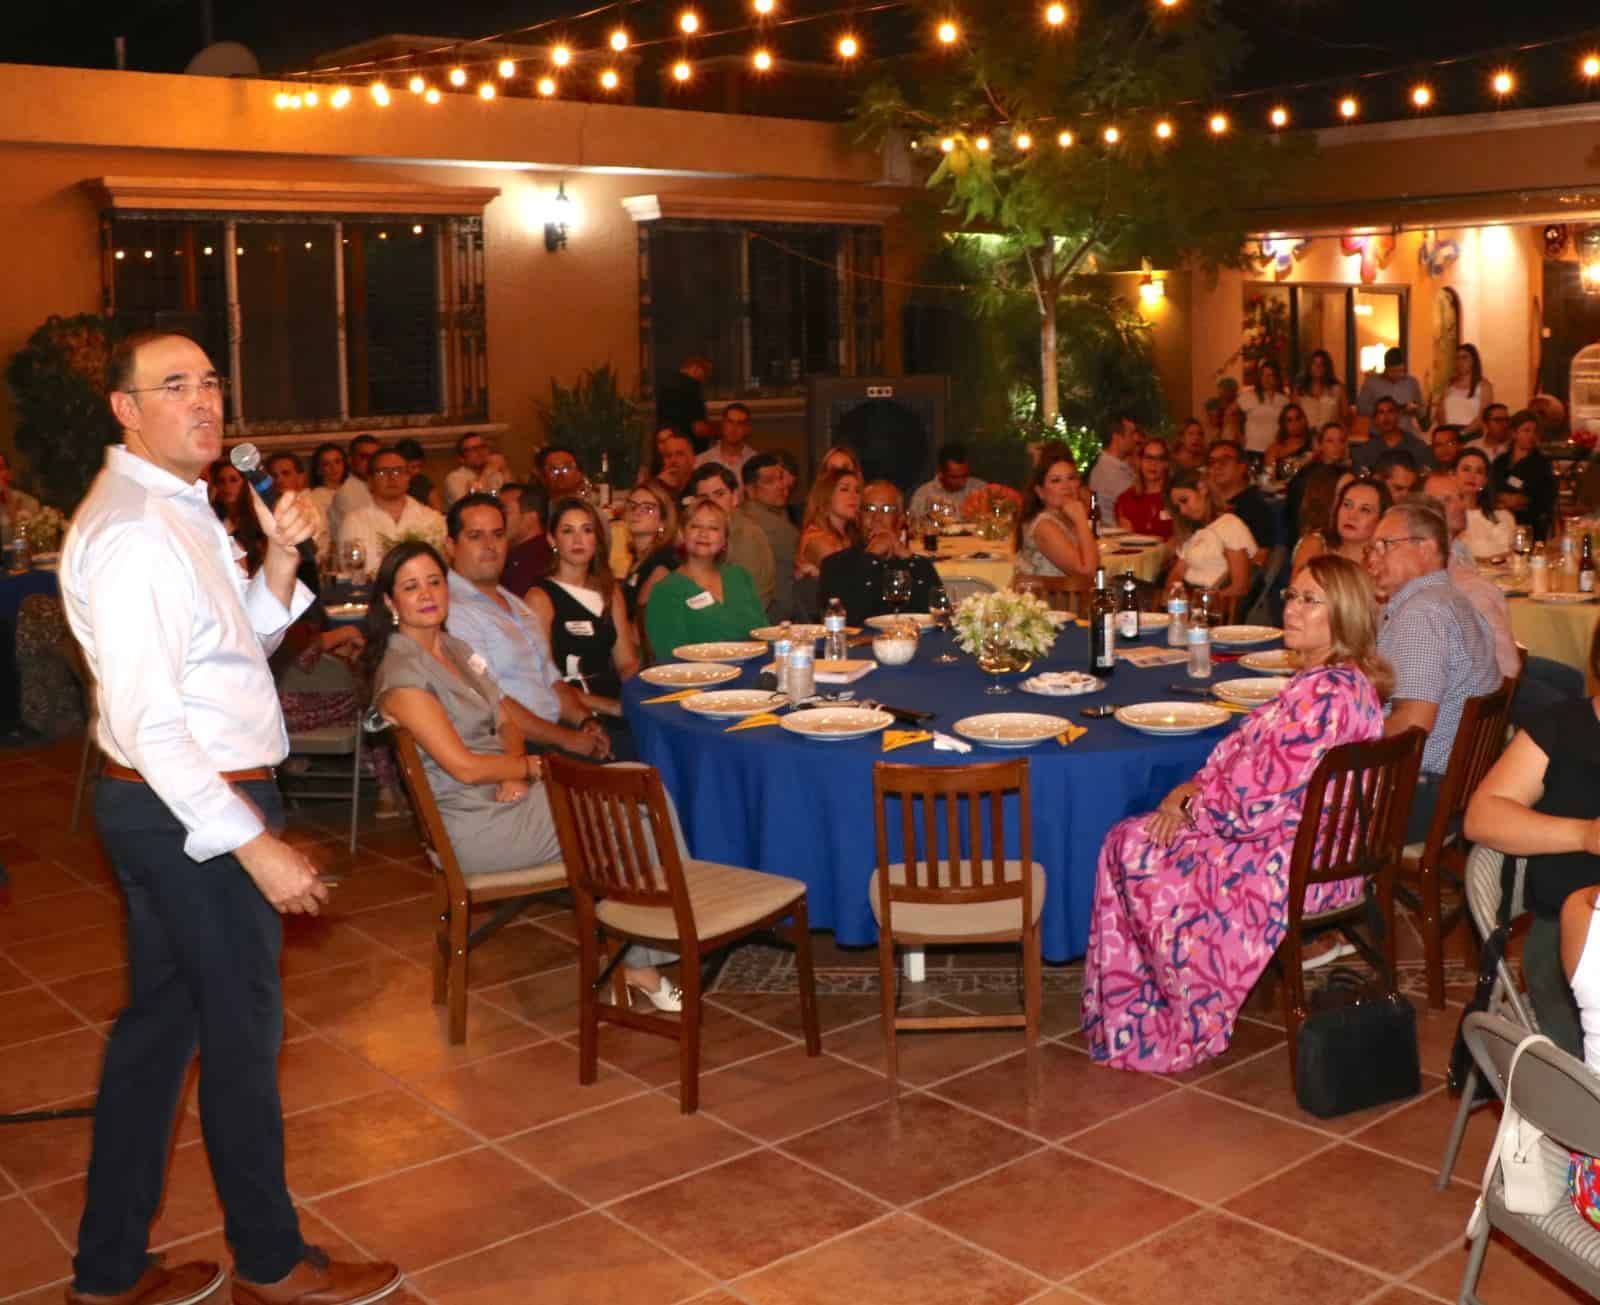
949	743
893	739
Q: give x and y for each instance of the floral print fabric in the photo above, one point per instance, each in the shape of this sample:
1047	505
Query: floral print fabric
1583	1182
1181	933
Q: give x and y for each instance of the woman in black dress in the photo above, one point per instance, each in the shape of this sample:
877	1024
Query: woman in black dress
582	606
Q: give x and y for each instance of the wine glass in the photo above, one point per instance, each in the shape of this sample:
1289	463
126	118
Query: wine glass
940	609
995	657
896	589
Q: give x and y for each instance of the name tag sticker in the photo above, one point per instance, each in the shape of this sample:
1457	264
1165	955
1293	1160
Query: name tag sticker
700	601
1514	481
581	629
1164	515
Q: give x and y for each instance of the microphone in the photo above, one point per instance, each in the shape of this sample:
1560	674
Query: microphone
246	459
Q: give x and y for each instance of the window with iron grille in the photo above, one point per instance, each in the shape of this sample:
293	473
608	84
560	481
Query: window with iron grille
770	304
321	321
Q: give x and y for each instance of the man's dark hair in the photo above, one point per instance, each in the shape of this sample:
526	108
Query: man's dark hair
461	444
516	487
1386	399
411	451
543	456
387	453
955	451
735	407
364	439
1238	449
1502	407
1387	462
708	470
750	473
789	462
1522	416
119	367
293	459
1394	357
1446	428
452	522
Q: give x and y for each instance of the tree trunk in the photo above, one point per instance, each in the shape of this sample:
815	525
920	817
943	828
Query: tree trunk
1044	285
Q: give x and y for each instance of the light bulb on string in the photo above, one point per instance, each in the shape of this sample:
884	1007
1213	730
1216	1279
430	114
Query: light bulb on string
281	100
1219	124
507	69
1163	130
1169	4
432	95
948	33
416	85
1503	83
948	145
546	86
561	56
1421	95
688	22
761	60
619	40
1023	141
311	99
849	47
486	91
1111	135
681	71
1064	140
340	97
1590	66
765	7
1349	107
1279	117
380	95
458	77
609	79
981	144
1055	15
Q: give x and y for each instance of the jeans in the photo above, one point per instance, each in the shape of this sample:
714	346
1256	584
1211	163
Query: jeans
203	949
1553	1004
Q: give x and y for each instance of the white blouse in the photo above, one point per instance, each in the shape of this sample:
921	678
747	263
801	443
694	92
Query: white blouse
1260	417
1322	408
1461	408
1488	536
1205	553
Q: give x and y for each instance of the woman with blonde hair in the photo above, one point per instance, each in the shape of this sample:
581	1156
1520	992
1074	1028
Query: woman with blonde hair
651	518
832	521
1190	900
707	599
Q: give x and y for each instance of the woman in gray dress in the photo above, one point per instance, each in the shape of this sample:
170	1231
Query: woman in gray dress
489	790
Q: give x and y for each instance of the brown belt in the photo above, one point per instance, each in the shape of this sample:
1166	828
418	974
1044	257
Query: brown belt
114	771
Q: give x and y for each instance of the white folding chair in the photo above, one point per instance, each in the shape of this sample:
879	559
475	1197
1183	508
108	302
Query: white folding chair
327	675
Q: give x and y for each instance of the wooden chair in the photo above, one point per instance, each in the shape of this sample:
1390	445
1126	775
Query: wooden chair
1353	826
458	895
630	880
1064	593
979	895
1480	739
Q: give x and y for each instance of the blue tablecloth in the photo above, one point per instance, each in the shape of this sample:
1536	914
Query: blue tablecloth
13	589
773	801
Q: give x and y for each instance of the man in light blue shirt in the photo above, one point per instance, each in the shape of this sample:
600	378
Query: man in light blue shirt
503	630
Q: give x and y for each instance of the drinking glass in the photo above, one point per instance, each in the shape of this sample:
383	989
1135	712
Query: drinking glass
896	589
939	608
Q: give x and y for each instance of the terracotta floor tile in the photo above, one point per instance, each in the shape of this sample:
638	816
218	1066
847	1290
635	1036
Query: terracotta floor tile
1510	1274
50	1070
1402	1296
1068	1093
375	987
781	1011
1090	1212
897	1260
46	1151
627	1146
33	919
34	1013
312	943
1214	1260
98	947
30	1255
33	880
926	1057
376	884
778	1207
1059	1012
446	1209
189	1204
583	1262
335	1146
11	978
314	1072
1365	1207
1250	1038
416	1043
1417	1132
1436	1035
98	997
788	1092
1264	1083
531	1086
724	1039
407	926
1204	1148
907	1149
549	1000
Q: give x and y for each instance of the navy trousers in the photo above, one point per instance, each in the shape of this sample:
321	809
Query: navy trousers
203	950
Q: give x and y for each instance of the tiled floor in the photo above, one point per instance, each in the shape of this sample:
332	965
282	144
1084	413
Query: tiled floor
492	1176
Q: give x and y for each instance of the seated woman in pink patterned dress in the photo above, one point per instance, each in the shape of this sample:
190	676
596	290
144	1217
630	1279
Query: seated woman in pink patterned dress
1190	900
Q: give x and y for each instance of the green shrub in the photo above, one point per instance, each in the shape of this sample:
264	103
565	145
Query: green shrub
58	383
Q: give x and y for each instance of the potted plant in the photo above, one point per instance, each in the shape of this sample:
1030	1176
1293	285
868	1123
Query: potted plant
594	417
58	383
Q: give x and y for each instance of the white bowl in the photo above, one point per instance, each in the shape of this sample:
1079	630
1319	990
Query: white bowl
893	651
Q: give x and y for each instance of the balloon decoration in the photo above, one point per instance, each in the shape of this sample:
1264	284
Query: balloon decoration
1375	253
1437	255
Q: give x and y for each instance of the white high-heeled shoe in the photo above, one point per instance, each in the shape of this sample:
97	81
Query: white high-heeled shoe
668	997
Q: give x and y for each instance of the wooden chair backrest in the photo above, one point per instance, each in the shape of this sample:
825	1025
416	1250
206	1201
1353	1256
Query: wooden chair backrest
1064	593
952	800
430	824
1480	739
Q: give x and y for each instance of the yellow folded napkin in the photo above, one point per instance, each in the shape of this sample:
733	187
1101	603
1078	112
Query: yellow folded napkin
679	696
893	739
1071	734
1232	706
752	722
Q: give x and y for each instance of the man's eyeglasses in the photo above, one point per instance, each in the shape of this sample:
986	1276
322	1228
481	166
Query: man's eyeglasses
887	509
1292	596
183	391
1382	546
390	473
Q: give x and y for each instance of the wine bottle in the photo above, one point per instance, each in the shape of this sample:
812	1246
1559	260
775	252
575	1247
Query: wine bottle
1128	607
1586	567
1102	628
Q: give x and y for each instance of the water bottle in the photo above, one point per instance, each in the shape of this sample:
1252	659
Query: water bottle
802	681
1178	618
1539	573
782	650
837	646
1199	649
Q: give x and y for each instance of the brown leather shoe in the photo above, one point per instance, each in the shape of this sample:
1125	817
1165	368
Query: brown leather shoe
317	1280
183	1284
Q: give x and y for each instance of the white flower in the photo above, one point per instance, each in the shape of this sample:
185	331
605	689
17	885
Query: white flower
1020	621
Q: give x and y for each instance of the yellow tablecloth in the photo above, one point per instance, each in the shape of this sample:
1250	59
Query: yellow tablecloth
1558	631
999	561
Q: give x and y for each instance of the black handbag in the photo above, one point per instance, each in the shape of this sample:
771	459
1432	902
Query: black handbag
1357	1048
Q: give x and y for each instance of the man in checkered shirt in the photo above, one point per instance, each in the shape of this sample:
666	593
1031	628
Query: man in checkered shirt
1441	648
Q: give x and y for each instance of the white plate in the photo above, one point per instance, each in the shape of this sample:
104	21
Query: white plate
1154	620
719	652
1136	541
800	633
1113	532
1280	661
924	620
346	611
1244	635
688	675
834	724
1251	693
1062	684
730	704
1562	600
1172	717
1010	729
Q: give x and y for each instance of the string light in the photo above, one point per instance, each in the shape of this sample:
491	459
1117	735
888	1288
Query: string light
458	77
1111	135
340	97
486	91
681	71
507	68
432	95
1279	117
546	86
1421	95
380	95
949	33
1023	141
416	229
561	56
609	79
1219	124
1055	15
761	60
281	100
1590	67
1349	107
1163	130
311	99
619	40
849	47
765	7
416	85
1169	4
981	144
1503	83
689	22
1064	140
948	145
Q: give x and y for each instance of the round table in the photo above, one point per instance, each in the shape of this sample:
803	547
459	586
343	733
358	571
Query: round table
13	589
773	801
1560	631
996	562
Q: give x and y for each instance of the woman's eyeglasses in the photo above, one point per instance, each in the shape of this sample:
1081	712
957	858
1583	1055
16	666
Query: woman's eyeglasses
1293	596
645	505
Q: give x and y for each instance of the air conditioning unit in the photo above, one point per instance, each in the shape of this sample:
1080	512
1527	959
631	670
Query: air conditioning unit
894	423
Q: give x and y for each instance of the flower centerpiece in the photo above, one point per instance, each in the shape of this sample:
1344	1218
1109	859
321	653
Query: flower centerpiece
1006	630
994	508
43	529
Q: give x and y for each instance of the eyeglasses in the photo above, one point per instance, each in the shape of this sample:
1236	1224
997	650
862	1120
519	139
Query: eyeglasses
1292	596
645	505
390	473
183	391
887	509
1382	546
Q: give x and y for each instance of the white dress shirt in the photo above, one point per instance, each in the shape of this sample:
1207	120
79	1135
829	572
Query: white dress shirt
377	532
178	641
464	480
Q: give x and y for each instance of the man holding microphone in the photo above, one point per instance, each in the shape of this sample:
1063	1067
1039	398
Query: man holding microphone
189	722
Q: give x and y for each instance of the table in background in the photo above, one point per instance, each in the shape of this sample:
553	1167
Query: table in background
996	562
1560	631
13	589
773	801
